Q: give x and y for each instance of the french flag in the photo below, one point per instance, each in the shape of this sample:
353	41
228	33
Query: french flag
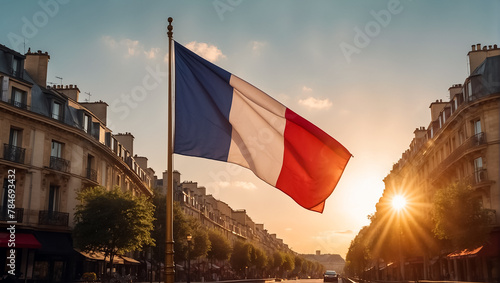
220	116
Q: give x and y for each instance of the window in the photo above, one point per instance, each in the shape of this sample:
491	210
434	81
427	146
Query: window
53	204
15	137
469	91
477	127
16	67
56	111
56	150
4	196
19	98
86	123
479	173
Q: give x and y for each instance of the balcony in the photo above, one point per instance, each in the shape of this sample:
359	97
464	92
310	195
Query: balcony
479	176
92	174
53	218
59	164
469	144
13	153
16	216
19	104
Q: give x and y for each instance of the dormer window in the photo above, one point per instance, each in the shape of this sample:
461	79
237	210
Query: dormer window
56	111
19	98
86	123
16	67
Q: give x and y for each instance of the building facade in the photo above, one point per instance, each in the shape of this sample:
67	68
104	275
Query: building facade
461	143
215	214
53	147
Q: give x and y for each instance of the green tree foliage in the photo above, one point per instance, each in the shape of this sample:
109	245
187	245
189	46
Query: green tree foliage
220	248
357	256
159	230
201	243
241	256
288	263
459	217
112	222
259	259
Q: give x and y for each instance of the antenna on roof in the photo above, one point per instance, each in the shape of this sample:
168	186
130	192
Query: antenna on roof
88	99
60	79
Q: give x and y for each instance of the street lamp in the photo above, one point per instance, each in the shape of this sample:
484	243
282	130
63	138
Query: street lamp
189	239
399	204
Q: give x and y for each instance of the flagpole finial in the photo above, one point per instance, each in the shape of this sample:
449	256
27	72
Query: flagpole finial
170	27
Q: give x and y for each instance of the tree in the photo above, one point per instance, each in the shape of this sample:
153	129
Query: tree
112	222
357	256
288	262
259	260
241	256
459	217
298	265
220	247
277	261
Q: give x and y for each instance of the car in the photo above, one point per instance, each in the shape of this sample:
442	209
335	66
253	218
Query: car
330	276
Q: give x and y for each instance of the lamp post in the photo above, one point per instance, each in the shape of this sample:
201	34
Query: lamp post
399	204
189	239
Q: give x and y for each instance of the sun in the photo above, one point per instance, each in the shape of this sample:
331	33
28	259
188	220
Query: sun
399	202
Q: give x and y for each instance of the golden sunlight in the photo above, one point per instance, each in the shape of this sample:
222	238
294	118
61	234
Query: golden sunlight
399	202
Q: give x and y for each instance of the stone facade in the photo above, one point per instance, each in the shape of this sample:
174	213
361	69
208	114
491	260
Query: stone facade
56	147
462	142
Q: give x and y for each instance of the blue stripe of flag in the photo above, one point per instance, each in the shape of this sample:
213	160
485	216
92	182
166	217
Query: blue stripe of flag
203	100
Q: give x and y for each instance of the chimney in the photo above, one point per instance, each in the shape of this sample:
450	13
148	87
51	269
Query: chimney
36	65
70	91
454	90
436	108
99	109
141	161
478	55
126	140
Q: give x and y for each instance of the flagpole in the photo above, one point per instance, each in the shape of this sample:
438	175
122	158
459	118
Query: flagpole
169	239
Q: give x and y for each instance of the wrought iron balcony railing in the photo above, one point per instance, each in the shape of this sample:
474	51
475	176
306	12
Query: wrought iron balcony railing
59	164
470	143
19	104
13	153
11	215
92	174
54	218
479	176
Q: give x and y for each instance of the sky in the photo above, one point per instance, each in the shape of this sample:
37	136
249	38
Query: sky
363	71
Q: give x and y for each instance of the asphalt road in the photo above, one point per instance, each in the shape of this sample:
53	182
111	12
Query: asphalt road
312	281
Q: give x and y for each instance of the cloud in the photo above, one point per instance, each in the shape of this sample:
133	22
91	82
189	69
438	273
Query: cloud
223	184
315	103
258	45
245	185
306	89
205	50
151	54
129	47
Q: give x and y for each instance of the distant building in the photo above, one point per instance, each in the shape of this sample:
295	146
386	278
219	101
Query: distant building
53	146
330	261
462	142
218	215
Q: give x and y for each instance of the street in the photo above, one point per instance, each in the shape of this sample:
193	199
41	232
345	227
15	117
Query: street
314	281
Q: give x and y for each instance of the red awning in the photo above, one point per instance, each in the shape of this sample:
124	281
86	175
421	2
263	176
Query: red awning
21	241
465	253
